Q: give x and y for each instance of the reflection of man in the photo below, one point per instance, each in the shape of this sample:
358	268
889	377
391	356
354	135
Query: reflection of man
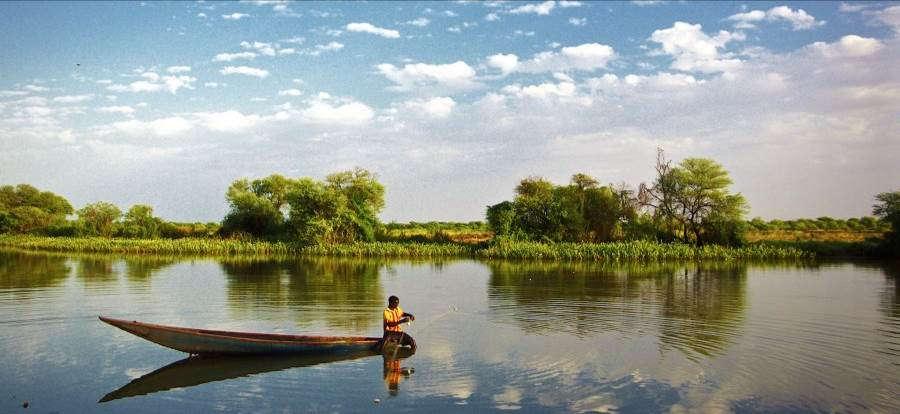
393	331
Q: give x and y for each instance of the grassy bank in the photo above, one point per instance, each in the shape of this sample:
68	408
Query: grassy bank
500	249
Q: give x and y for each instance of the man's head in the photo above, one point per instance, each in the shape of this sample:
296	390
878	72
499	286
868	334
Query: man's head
393	302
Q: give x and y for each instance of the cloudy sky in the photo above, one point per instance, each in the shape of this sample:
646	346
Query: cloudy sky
449	103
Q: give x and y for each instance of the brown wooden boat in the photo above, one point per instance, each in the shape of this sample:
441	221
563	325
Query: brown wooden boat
211	342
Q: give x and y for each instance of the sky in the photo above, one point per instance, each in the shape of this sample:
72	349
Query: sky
451	104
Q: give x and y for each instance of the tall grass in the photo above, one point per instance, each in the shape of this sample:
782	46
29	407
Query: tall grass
498	249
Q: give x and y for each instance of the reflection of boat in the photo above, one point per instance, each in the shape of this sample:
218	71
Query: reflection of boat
198	370
203	341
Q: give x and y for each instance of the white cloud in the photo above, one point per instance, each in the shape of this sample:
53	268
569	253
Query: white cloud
235	16
201	15
420	22
323	111
36	88
156	83
799	19
104	82
73	98
290	92
244	70
492	17
506	63
9	93
542	9
228	121
124	110
228	57
693	50
586	57
369	28
890	17
297	40
211	84
566	4
454	75
439	107
851	46
178	69
542	91
574	21
162	127
851	8
260	47
331	46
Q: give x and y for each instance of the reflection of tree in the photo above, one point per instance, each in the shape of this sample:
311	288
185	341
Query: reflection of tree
890	297
344	293
141	268
695	307
20	270
702	307
96	269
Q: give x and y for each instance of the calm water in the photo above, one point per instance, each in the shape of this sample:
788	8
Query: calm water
535	337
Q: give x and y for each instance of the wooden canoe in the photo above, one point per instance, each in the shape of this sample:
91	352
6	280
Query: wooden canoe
210	342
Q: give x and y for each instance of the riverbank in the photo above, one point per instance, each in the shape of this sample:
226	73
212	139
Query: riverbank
500	249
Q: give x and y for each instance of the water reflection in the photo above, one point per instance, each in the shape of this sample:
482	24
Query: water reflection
199	370
96	270
24	270
344	293
695	307
142	268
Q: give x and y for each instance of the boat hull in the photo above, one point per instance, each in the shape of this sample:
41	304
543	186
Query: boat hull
212	342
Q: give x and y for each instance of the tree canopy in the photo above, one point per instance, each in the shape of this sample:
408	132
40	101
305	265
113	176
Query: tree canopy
25	209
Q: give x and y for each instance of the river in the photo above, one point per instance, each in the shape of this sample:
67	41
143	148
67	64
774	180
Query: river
492	336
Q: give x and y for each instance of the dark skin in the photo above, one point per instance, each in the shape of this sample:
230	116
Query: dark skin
406	317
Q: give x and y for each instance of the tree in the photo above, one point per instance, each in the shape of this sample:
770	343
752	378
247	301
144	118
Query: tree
99	219
250	212
887	209
24	209
692	202
501	218
140	223
365	196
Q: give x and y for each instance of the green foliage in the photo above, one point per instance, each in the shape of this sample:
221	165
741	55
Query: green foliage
98	219
501	217
691	202
343	208
25	209
139	222
888	209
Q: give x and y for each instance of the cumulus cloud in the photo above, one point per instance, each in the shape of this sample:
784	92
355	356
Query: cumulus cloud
507	63
890	17
586	57
227	121
542	9
244	70
453	75
325	110
542	91
73	98
849	46
574	21
439	107
799	19
369	28
155	83
290	92
36	88
235	16
178	69
228	57
260	47
693	50
331	46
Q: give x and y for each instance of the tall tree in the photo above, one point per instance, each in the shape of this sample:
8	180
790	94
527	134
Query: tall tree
99	219
888	209
24	208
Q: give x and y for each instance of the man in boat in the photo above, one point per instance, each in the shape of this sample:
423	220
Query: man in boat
394	317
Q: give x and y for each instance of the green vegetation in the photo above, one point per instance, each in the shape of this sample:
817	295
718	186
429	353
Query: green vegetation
688	203
687	212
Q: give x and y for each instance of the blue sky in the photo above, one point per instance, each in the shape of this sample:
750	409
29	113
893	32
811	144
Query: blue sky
450	103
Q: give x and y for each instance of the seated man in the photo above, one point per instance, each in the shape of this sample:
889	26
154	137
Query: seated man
393	332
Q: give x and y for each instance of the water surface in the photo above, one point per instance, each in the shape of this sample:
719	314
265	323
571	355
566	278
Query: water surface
531	336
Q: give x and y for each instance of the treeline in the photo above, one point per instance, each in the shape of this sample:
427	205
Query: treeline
872	224
27	210
689	203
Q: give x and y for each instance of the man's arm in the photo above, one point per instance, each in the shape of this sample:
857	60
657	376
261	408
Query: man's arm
401	321
408	315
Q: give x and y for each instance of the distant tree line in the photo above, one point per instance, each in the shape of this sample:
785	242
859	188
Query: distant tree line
822	223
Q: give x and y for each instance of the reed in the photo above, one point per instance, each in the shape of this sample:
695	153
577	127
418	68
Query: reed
498	249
